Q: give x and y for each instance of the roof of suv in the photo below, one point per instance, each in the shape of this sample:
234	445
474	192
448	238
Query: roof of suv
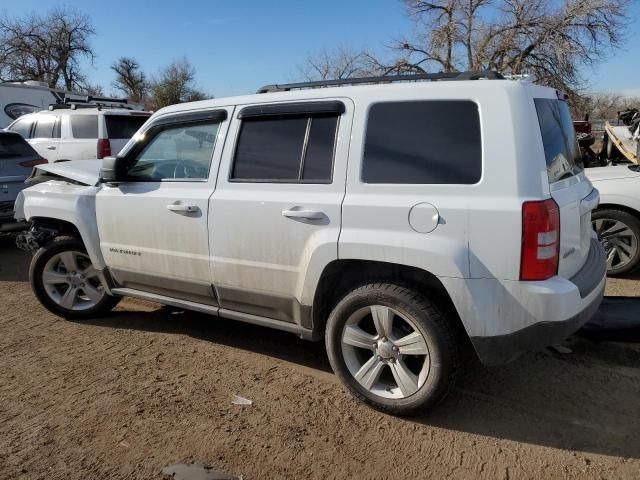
90	111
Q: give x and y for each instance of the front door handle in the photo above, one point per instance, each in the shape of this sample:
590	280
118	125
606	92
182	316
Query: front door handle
51	148
181	208
307	214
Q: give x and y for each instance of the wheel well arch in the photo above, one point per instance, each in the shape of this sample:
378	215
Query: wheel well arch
341	276
61	226
617	206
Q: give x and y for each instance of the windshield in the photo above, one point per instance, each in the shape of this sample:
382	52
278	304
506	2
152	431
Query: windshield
558	136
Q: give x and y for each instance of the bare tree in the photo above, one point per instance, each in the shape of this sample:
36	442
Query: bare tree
46	47
602	105
130	79
551	39
338	63
175	84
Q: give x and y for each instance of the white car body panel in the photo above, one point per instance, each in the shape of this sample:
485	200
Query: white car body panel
619	185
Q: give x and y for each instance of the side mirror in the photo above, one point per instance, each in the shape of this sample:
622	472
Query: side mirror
111	169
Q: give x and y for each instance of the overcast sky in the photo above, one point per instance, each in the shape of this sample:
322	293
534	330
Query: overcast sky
237	46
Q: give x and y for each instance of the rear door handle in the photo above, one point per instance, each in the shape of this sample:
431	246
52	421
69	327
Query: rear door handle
180	208
307	214
51	148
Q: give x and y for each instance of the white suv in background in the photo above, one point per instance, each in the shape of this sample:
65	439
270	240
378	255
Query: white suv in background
63	133
397	221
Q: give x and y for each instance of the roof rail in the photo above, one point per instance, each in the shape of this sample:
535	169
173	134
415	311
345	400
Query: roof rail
74	102
479	75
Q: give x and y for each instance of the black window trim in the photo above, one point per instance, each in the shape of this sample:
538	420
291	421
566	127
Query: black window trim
364	140
164	123
293	108
313	109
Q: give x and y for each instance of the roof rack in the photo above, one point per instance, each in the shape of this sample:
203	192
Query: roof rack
479	75
74	102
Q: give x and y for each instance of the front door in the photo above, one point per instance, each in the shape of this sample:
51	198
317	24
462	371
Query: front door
45	138
276	211
153	226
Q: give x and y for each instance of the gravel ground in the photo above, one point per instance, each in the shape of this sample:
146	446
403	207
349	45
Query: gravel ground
123	396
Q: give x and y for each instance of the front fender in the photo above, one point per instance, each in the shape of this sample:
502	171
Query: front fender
75	204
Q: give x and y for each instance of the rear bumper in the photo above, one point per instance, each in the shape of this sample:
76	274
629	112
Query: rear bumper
506	318
500	349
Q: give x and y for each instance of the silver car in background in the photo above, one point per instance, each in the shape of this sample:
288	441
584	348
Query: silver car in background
17	159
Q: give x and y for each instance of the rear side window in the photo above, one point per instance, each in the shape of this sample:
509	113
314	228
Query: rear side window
288	148
84	126
23	127
423	142
561	149
123	126
12	146
45	127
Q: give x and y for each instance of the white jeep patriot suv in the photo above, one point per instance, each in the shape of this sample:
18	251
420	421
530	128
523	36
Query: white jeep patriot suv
395	220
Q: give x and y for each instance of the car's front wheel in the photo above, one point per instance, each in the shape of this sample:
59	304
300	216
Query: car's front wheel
393	348
65	281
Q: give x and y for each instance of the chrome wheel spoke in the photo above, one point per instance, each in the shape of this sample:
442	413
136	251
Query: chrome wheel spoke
610	258
68	300
369	373
382	320
93	293
412	344
90	272
54	278
406	380
356	337
69	261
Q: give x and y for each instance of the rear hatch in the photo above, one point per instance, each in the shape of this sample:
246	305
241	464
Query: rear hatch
121	127
569	187
17	159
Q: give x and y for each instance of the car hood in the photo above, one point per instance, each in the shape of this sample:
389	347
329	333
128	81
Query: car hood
610	173
86	172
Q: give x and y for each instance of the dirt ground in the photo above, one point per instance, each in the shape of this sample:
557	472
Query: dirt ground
123	396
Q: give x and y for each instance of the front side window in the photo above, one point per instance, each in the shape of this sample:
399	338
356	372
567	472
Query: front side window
561	149
84	126
423	142
22	126
45	127
287	148
176	152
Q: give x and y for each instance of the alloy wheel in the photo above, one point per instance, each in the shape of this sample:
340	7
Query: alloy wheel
385	352
619	241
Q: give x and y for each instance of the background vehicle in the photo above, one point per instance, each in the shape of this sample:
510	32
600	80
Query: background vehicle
367	215
79	132
617	219
20	98
17	160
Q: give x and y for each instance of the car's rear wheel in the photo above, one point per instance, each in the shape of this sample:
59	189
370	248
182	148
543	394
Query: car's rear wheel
66	282
393	348
619	233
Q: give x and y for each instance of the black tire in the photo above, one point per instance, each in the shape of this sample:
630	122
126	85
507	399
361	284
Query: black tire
441	334
36	271
633	223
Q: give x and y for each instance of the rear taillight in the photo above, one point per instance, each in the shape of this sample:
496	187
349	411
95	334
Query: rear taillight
540	240
33	163
104	148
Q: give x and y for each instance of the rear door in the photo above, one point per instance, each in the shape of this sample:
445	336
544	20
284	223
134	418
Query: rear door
276	212
119	128
568	184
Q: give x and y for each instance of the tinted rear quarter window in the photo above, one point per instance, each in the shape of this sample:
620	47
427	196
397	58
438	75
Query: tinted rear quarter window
12	146
84	126
561	150
423	142
123	126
